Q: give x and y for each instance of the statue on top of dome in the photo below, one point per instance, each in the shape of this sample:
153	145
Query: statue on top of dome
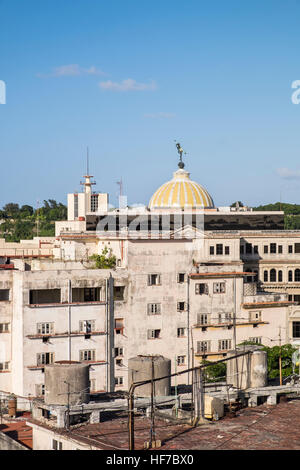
180	151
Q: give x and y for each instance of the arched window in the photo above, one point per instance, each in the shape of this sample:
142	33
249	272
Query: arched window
279	276
273	275
290	276
265	276
297	275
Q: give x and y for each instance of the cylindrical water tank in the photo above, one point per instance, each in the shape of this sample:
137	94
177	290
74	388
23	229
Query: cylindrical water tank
12	407
140	368
248	371
259	369
67	382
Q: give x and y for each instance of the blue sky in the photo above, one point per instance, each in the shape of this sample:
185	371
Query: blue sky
126	78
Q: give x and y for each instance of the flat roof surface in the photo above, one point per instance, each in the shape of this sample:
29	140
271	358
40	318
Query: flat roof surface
264	427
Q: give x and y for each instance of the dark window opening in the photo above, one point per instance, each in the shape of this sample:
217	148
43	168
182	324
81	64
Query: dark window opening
219	249
248	248
273	275
211	250
86	294
290	276
226	250
297	247
44	296
4	294
297	275
201	289
266	249
280	249
279	276
296	329
265	276
290	248
119	292
272	247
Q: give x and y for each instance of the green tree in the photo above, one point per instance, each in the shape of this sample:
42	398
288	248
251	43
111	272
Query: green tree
104	261
214	372
237	202
11	209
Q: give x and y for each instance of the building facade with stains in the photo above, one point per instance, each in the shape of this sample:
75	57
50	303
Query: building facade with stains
190	282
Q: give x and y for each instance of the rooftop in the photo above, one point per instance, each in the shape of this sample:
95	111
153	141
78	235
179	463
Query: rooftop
265	427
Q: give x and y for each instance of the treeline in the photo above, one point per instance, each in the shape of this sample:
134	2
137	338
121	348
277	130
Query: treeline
23	223
291	213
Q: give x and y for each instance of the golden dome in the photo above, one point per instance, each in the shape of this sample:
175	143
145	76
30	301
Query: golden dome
181	192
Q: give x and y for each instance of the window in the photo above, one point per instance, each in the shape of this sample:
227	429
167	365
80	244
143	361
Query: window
119	326
242	249
181	332
119	352
297	247
44	358
290	298
255	316
119	292
290	276
219	287
39	390
273	275
154	309
202	318
118	380
119	362
87	326
56	445
296	329
153	279
211	250
255	339
94	202
280	249
75	206
201	289
279	276
4	366
203	347
87	355
181	277
255	249
44	296
45	328
297	275
226	250
290	249
4	295
248	248
266	249
219	249
4	327
181	360
224	318
224	344
181	306
265	276
153	334
86	294
272	247
297	298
